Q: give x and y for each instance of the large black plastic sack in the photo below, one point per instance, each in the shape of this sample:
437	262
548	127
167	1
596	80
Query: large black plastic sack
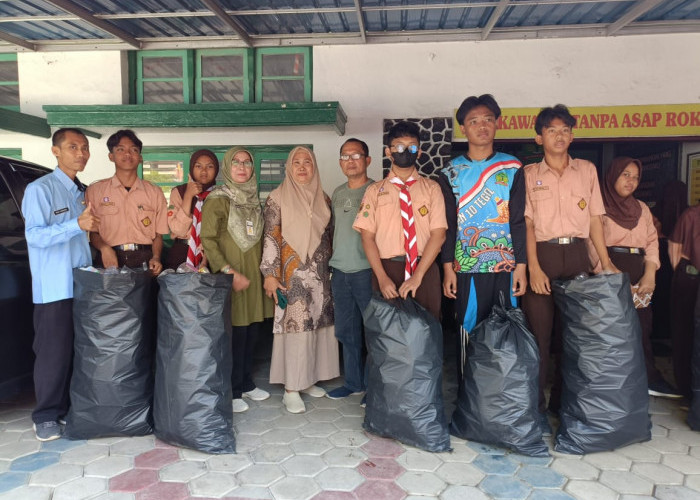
404	379
112	386
694	413
497	403
604	402
192	399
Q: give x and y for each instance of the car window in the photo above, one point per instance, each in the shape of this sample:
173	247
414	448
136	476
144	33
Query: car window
10	217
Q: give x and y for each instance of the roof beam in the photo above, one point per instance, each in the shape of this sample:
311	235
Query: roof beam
640	8
17	41
86	16
214	6
495	16
360	20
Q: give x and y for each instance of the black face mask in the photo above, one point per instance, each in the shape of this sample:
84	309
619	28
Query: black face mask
405	159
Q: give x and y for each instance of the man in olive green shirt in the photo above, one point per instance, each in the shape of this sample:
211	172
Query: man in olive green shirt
351	281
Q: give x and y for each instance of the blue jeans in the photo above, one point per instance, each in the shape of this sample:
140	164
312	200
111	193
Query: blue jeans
351	294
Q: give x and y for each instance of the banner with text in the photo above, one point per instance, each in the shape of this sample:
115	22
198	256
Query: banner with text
659	120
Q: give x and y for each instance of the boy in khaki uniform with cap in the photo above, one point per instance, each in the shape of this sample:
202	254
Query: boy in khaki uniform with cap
563	208
402	223
132	211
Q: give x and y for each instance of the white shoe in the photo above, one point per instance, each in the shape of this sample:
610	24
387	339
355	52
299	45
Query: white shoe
293	402
314	391
239	406
257	394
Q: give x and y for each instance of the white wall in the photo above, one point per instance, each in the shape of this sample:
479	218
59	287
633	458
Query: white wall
391	81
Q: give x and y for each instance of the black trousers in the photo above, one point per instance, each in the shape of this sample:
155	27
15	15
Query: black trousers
557	262
633	264
53	348
243	341
684	291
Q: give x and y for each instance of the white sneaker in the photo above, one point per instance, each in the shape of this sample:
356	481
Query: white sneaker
293	402
257	394
314	391
239	406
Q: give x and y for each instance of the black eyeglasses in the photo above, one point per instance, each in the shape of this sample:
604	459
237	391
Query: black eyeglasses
400	148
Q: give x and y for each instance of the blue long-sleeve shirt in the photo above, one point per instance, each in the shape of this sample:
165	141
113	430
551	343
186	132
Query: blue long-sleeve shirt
56	244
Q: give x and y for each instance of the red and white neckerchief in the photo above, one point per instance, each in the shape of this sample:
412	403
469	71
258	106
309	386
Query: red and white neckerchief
194	247
409	226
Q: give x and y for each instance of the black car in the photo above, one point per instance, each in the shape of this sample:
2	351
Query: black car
16	330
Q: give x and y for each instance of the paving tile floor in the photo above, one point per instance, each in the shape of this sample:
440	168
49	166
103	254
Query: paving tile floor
324	454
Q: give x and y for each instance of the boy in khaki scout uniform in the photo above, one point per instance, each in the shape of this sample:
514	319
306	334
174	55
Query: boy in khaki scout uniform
563	208
132	211
402	224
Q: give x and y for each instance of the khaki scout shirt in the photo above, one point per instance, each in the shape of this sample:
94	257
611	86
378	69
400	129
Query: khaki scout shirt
134	216
562	205
380	214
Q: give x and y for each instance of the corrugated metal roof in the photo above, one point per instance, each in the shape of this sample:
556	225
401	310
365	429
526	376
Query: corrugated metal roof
153	24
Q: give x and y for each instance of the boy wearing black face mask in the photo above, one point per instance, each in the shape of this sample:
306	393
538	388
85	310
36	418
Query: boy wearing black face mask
402	223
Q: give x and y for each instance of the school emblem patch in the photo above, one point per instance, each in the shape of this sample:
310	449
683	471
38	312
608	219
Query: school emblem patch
582	204
502	179
423	210
146	221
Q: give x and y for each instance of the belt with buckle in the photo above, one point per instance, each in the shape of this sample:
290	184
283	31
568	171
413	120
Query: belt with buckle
630	250
565	240
130	247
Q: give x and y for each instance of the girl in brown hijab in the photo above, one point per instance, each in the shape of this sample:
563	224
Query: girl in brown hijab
232	226
633	247
296	251
204	168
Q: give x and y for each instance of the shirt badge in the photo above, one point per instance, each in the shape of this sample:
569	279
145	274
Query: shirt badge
250	231
60	211
539	183
502	179
146	221
582	204
170	213
365	214
423	210
105	199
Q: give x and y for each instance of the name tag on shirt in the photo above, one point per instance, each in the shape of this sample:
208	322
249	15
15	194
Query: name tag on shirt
60	211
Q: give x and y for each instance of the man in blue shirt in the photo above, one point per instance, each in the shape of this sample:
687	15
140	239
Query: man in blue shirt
56	221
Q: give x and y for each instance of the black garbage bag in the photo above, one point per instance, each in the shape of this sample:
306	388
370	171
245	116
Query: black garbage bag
497	403
192	397
604	401
111	390
694	413
404	379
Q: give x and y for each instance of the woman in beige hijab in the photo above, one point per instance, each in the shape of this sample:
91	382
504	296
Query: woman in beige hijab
231	233
296	250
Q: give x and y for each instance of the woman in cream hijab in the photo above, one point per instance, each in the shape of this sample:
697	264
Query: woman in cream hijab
296	250
231	234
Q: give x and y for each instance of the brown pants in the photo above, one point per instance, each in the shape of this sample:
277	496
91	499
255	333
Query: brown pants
128	258
429	293
557	262
684	291
633	264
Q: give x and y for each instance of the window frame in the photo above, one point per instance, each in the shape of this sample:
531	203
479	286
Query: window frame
307	78
14	83
187	59
247	78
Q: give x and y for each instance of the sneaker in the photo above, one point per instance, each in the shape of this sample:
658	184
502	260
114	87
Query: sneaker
47	431
363	403
545	427
341	392
292	400
239	406
257	394
314	391
663	389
